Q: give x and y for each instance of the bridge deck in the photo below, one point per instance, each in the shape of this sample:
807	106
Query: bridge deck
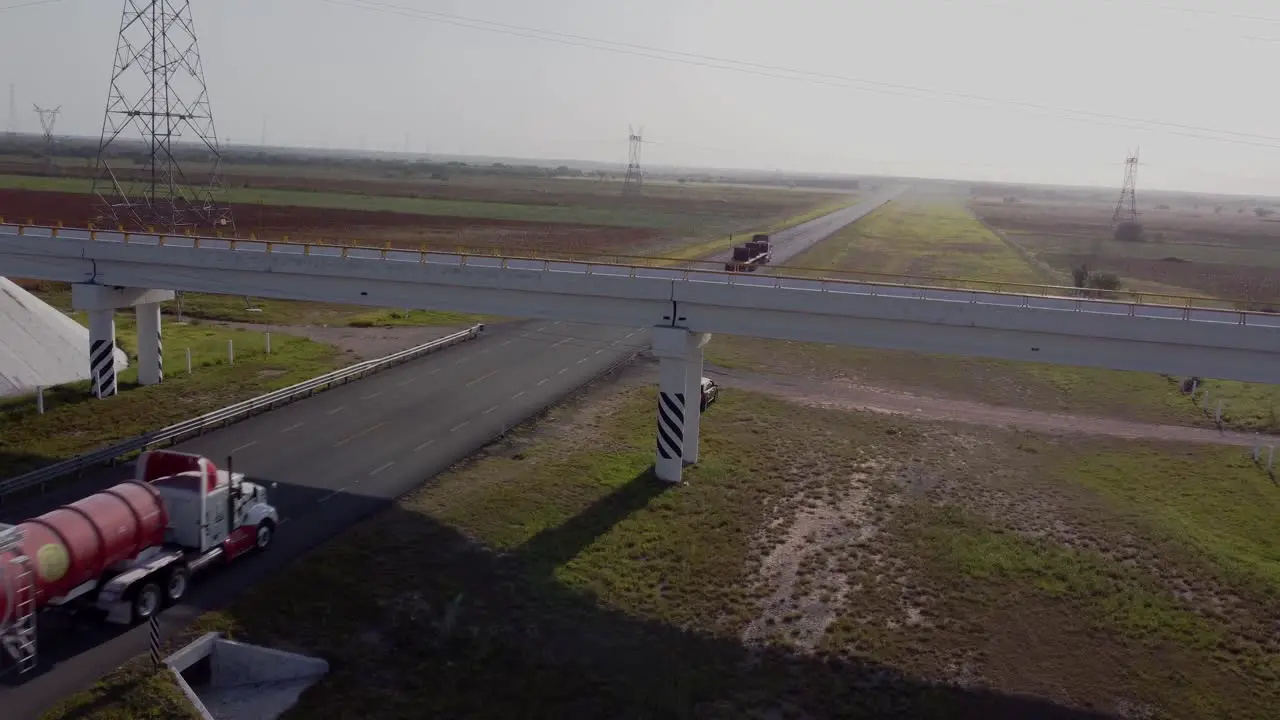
1042	297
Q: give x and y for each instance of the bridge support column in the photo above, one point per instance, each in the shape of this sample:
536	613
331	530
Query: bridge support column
680	357
101	302
150	345
102	352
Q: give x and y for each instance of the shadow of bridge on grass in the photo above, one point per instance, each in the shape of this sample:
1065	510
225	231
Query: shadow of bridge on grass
519	643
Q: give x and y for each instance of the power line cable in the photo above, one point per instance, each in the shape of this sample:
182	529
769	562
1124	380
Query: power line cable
1110	119
34	3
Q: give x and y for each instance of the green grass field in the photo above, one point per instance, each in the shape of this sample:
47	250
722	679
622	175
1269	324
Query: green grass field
917	238
810	551
74	422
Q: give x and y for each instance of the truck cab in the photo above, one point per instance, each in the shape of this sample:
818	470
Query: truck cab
710	391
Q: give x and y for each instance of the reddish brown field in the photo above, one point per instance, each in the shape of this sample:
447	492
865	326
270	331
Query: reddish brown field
1231	253
401	181
334	225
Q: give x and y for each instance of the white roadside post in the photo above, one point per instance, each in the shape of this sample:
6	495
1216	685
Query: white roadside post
40	399
268	343
231	351
188	361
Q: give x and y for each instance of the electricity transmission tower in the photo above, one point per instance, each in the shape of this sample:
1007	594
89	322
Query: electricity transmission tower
632	183
1127	206
12	127
158	95
48	118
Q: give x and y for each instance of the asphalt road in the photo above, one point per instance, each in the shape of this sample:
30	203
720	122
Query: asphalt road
786	244
338	457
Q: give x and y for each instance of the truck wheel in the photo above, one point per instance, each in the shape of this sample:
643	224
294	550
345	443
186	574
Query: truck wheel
146	602
265	534
176	585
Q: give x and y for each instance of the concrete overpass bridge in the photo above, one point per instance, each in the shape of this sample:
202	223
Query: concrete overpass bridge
682	305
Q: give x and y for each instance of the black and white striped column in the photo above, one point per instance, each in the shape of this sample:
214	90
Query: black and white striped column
102	352
671	426
670	345
679	399
150	345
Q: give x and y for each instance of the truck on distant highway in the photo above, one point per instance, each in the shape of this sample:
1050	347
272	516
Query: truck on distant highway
127	551
750	255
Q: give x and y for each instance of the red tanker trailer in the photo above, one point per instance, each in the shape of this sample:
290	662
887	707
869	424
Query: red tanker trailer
130	549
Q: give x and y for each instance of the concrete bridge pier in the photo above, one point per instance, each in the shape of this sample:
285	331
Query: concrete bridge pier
101	302
679	399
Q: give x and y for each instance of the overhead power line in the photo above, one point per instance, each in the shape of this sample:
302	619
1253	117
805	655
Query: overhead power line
33	3
820	78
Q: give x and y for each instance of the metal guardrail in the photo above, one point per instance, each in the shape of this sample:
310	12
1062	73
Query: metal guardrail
227	415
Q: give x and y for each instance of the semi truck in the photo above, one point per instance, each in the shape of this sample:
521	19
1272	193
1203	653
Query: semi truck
126	552
750	255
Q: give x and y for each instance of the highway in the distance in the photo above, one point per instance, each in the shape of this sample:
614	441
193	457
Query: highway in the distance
787	244
339	456
347	452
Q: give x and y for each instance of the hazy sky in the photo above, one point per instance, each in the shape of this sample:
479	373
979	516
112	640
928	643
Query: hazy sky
331	73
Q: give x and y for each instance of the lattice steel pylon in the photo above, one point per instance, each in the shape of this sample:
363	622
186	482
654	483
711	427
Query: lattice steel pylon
1127	205
48	118
158	91
634	181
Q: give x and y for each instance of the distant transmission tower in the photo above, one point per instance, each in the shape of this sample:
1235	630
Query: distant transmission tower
632	183
158	91
1127	205
12	126
48	118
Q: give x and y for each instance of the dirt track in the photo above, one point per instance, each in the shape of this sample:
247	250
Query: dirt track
845	395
